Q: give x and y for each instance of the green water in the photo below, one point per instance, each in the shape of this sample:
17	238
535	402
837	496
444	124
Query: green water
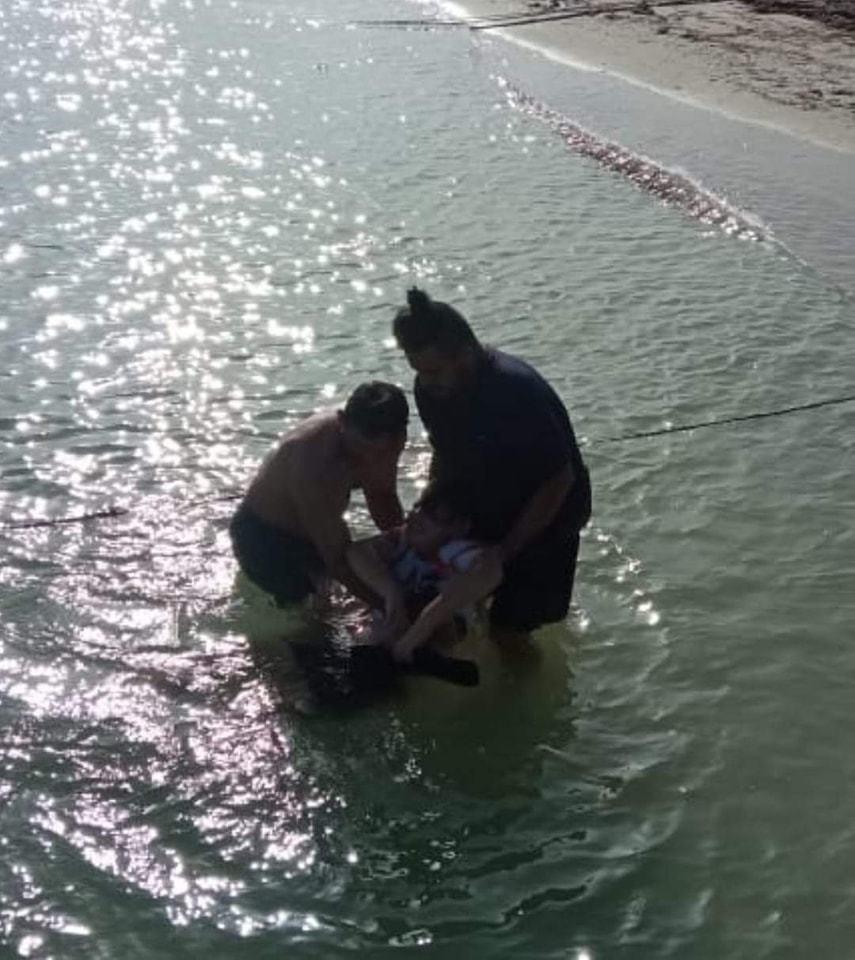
208	214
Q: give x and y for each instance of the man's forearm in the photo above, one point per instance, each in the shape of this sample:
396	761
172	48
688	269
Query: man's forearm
538	513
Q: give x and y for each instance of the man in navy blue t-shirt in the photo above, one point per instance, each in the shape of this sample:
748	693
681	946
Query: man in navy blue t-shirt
501	435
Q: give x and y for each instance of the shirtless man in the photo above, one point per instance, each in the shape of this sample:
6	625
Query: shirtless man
289	534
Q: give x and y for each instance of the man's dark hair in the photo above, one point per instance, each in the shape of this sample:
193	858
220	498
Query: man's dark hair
429	323
376	409
445	501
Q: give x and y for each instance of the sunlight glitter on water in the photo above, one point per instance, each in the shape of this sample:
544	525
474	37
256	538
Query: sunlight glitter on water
245	195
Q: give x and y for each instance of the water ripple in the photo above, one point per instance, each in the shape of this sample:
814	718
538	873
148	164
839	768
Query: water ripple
209	214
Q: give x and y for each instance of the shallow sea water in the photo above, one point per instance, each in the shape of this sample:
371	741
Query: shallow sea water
208	214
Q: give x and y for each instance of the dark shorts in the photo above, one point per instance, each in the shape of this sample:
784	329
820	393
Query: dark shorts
537	585
280	563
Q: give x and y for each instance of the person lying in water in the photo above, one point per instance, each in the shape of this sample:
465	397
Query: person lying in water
428	568
289	534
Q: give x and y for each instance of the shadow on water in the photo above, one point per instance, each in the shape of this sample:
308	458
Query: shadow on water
482	741
466	812
486	742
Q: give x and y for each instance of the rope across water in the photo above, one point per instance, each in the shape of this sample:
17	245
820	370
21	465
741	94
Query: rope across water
111	512
685	428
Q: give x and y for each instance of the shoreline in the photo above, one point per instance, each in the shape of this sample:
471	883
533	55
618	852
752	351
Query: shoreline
776	70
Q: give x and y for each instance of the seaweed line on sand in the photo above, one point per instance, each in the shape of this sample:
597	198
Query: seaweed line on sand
674	189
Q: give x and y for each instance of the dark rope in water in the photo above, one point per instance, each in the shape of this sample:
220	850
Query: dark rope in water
112	512
686	427
106	514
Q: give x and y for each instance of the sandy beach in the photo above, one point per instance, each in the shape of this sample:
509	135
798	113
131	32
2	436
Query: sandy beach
791	72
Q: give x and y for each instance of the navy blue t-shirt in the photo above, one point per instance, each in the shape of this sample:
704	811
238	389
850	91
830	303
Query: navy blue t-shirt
501	440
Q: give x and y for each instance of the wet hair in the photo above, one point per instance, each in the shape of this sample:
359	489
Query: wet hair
445	501
377	409
429	323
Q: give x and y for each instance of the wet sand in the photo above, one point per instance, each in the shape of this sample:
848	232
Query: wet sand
789	71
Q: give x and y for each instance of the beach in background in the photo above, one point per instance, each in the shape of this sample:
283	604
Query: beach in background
752	61
739	146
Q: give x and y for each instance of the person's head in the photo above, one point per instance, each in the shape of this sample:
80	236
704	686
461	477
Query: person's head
439	343
375	420
442	513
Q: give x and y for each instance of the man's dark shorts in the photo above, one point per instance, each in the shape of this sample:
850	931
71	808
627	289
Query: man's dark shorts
280	563
538	582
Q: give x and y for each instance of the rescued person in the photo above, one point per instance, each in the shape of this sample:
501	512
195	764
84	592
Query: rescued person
429	568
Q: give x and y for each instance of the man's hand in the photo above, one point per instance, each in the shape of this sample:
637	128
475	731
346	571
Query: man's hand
388	631
384	508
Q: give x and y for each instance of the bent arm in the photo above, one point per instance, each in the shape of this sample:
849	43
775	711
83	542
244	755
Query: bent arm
331	538
539	512
384	506
461	591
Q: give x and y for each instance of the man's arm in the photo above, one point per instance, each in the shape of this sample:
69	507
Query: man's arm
538	513
461	591
330	535
366	560
379	484
539	433
427	417
385	508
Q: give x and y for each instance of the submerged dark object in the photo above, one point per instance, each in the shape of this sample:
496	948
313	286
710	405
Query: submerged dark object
342	677
430	663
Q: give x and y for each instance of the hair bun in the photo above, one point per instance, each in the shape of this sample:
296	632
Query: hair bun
419	302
